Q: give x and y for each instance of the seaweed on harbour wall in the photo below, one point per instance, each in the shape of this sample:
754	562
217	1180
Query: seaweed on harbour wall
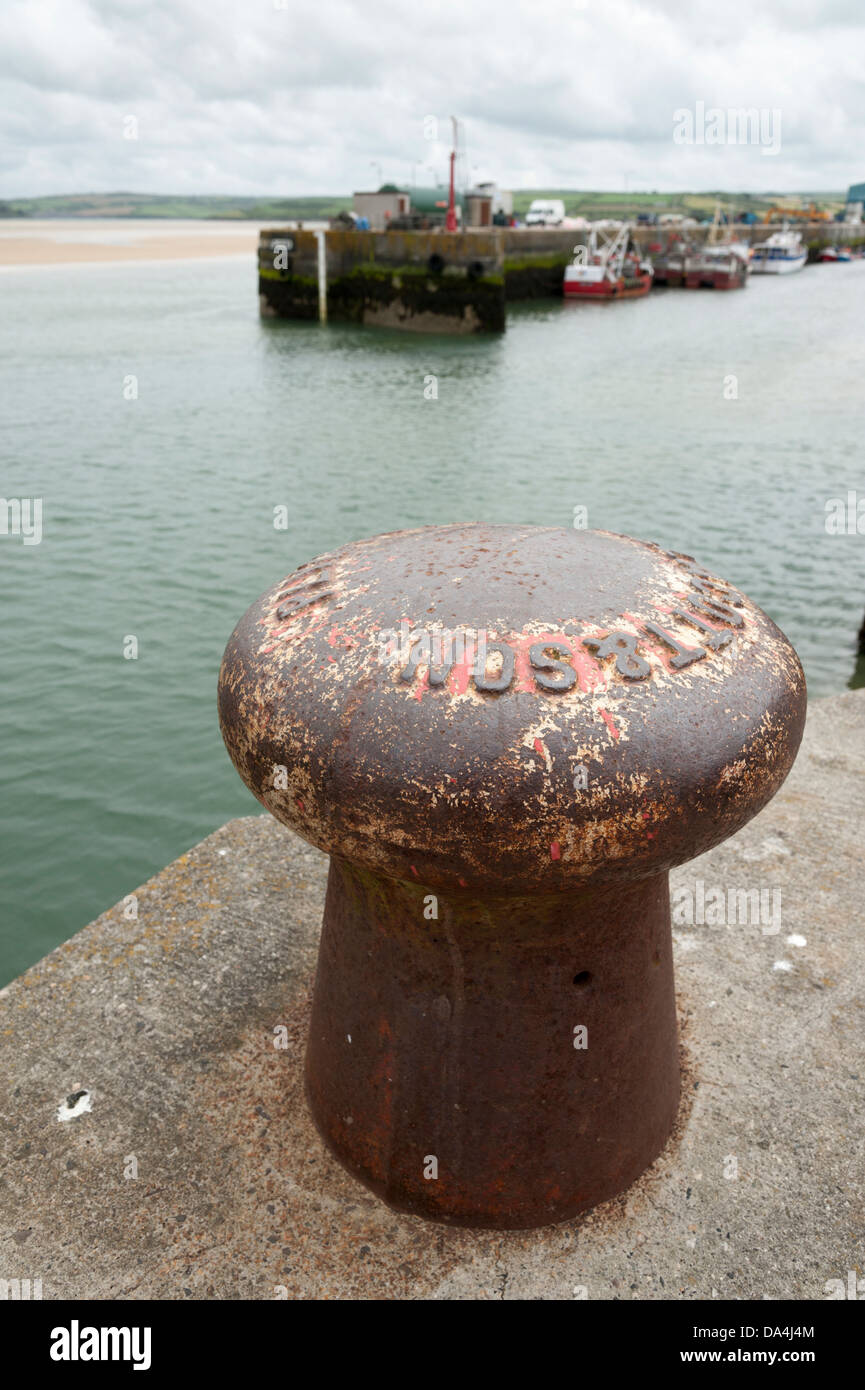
285	295
536	277
460	300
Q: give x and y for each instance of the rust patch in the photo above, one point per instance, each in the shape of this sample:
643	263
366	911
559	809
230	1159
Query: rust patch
434	778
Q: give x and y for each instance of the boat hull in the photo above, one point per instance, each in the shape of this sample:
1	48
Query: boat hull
670	274
716	279
777	265
624	288
697	270
727	280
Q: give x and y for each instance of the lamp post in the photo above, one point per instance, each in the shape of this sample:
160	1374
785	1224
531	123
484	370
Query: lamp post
451	218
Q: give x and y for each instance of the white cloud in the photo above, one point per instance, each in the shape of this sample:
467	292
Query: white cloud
264	100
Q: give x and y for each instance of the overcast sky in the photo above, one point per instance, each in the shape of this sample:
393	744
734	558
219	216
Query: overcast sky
301	96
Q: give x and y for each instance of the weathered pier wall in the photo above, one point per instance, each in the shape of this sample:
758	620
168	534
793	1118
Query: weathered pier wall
449	282
535	260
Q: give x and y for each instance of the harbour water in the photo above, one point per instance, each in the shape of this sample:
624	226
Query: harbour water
162	423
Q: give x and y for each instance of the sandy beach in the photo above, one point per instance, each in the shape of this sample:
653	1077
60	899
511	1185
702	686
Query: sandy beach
66	242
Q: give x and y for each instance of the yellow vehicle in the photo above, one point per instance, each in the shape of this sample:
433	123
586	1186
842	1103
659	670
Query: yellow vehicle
778	213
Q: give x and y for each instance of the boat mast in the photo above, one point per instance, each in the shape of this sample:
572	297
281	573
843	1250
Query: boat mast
612	252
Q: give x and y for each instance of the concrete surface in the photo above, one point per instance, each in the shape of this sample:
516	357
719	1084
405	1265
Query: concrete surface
168	1022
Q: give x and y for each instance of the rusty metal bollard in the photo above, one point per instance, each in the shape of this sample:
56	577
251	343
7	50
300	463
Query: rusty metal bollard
505	737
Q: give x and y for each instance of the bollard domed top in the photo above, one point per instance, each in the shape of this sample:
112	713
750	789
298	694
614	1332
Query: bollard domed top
493	708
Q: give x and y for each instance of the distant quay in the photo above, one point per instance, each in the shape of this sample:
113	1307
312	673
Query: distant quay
451	282
439	282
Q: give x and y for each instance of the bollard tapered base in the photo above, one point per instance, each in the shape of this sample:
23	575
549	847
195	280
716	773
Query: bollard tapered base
495	1062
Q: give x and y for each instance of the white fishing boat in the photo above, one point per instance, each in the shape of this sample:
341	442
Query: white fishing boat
782	253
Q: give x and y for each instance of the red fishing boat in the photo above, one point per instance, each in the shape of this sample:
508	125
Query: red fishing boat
607	267
719	267
720	263
671	260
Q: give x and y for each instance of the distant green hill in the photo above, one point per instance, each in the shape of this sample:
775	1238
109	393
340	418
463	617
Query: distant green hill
577	201
172	205
589	203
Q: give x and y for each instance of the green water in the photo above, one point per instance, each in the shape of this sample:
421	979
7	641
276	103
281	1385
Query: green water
158	512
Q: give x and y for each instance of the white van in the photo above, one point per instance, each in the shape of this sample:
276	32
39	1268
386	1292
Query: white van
546	212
